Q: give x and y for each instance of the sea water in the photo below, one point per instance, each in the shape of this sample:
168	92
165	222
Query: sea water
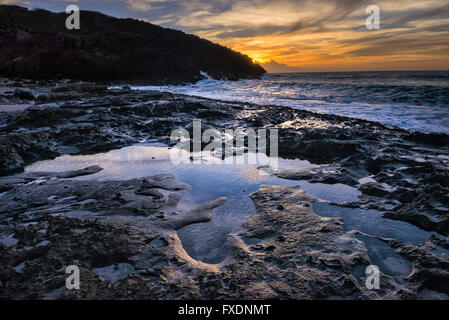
414	100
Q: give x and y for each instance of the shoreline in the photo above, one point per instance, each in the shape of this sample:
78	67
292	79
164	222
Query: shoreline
395	102
298	253
38	85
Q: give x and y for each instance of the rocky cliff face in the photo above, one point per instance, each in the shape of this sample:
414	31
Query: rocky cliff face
36	44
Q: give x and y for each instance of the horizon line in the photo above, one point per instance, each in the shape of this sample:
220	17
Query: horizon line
423	70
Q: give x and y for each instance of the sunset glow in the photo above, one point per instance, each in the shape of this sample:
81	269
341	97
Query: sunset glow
301	35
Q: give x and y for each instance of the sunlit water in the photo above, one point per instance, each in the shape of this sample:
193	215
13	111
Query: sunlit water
411	100
207	242
370	223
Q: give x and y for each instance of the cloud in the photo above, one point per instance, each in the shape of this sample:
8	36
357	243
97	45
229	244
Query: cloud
140	5
419	14
275	67
313	34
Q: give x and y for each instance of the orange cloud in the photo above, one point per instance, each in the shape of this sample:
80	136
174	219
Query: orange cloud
313	35
325	36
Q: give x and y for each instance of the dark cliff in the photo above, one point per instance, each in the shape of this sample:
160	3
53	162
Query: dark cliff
36	44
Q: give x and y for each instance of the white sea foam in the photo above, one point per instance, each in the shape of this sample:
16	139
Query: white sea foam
414	101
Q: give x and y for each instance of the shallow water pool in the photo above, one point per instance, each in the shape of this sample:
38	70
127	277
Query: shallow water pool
207	242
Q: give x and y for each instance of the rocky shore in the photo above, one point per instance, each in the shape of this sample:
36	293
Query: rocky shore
48	220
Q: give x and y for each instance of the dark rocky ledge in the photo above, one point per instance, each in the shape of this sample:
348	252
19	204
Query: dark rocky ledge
36	44
299	255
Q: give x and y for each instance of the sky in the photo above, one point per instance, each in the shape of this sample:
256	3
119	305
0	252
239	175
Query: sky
299	35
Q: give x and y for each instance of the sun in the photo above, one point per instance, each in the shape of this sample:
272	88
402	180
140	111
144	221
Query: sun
258	58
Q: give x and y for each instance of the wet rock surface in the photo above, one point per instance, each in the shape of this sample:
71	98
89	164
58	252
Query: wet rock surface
285	251
123	234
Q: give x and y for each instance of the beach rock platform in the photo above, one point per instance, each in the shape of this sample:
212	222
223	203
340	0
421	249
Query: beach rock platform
123	234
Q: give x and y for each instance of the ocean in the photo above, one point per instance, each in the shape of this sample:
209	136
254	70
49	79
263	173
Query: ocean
413	100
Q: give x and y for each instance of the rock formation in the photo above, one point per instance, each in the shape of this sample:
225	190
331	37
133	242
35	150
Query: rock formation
37	44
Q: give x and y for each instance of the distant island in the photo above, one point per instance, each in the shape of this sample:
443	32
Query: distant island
36	44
